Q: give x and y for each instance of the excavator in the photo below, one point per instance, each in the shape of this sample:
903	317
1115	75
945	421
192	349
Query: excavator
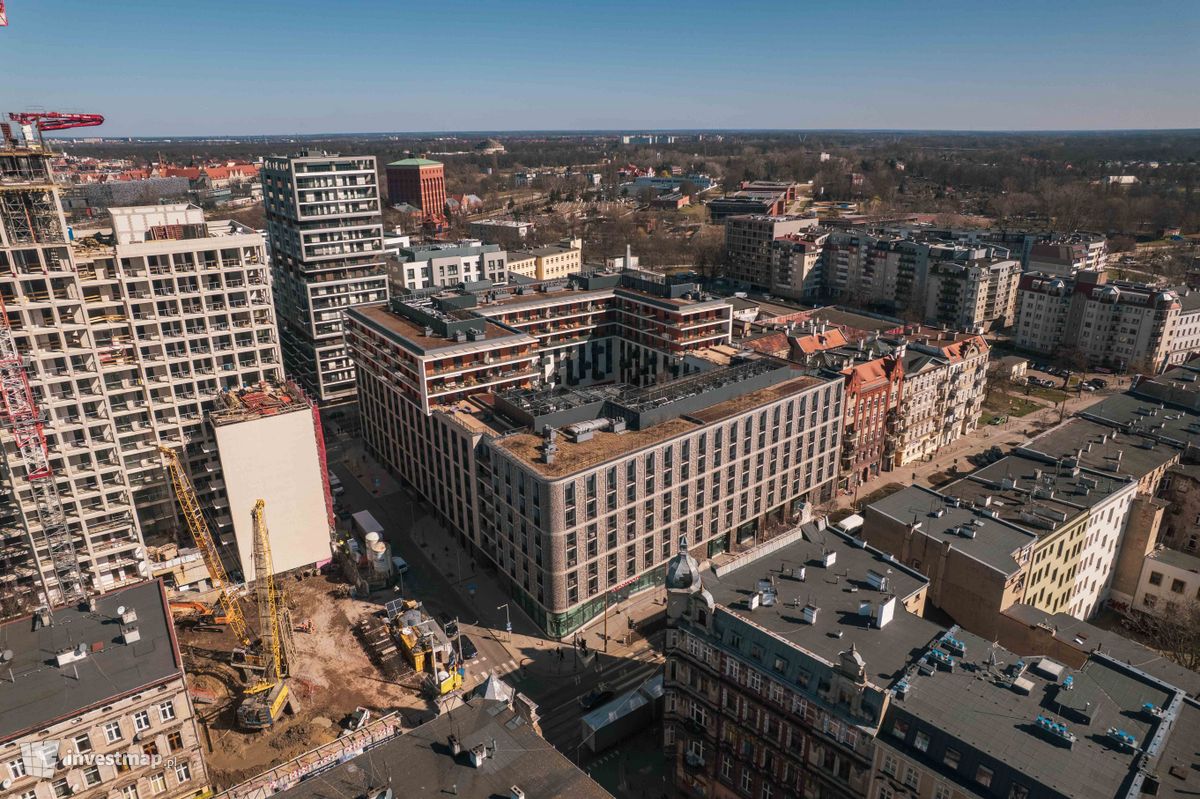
267	699
201	615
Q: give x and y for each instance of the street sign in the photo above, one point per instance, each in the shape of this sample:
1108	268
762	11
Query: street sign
508	626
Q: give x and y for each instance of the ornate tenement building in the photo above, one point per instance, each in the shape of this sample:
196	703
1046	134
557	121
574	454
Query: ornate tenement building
781	666
96	705
571	436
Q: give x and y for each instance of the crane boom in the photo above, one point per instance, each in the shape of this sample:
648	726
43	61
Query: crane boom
268	598
190	506
56	120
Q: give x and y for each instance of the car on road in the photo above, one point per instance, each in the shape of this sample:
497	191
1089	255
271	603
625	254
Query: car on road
1098	382
467	647
595	698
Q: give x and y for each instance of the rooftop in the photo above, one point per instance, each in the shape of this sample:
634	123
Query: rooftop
992	542
1032	494
975	704
1099	447
406	331
254	402
420	763
1173	557
415	162
837	591
42	692
575	455
1088	638
1178	767
1139	417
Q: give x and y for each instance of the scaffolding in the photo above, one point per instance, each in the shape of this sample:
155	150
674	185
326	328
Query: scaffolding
30	215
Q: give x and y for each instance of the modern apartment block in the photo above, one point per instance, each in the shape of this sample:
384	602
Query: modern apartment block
447	264
751	255
326	239
975	292
180	309
782	666
570	435
96	705
68	501
1117	324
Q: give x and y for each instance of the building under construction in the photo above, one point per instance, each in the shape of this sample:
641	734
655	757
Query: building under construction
271	447
111	345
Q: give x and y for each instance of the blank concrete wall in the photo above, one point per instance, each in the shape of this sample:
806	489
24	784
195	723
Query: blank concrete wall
275	459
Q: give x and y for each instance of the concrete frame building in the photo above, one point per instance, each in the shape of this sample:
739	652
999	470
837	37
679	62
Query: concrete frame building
751	254
98	704
974	293
182	309
326	238
451	402
447	264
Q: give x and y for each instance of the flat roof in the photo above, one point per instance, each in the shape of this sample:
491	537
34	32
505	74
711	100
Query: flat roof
973	704
1179	764
1097	446
42	692
1088	638
414	162
401	328
1173	557
575	456
859	321
419	763
1146	417
837	591
995	541
1033	494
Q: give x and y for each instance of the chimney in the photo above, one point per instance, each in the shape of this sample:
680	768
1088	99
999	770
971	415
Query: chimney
478	755
455	746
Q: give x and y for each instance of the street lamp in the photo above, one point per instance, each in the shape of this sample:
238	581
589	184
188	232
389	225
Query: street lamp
507	620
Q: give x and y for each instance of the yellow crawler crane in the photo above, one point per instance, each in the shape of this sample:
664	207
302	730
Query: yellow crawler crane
267	698
230	604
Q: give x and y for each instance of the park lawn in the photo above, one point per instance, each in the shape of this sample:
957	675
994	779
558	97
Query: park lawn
1001	404
1054	395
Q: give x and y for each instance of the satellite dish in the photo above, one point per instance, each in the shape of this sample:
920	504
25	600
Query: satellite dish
6	784
6	656
120	610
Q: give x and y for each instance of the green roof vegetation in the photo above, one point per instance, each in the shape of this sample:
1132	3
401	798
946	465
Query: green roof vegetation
415	162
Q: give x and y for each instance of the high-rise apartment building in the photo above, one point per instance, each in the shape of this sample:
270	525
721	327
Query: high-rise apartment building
419	182
578	493
973	291
181	309
749	251
326	238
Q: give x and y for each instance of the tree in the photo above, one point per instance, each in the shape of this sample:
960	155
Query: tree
1175	633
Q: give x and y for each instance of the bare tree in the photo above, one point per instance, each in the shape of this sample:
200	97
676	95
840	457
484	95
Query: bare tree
1175	633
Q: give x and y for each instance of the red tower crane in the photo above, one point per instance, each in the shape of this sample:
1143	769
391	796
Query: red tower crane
56	120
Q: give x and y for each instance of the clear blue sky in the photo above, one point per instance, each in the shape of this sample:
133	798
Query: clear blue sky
166	67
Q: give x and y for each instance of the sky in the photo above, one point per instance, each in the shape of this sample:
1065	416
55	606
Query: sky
165	67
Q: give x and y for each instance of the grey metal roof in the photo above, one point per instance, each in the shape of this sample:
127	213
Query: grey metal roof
1147	417
42	692
973	710
837	591
995	540
419	763
1173	557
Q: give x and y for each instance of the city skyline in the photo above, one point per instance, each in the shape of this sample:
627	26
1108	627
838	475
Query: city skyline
372	67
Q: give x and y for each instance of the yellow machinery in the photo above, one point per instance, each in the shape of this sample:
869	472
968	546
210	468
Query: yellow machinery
426	647
267	698
231	606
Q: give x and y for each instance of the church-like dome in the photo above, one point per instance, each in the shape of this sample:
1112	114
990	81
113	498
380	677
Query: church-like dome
683	573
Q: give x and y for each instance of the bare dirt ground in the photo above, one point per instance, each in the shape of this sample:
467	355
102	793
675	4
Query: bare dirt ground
332	674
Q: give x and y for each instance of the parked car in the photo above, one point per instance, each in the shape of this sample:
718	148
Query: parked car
1087	387
595	698
1099	382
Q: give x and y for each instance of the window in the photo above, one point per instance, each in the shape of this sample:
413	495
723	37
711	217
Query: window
1177	586
30	794
941	791
921	742
16	768
952	758
889	764
727	767
61	789
91	776
175	741
910	777
83	743
1018	791
183	772
984	776
128	792
900	728
747	780
141	720
1156	578
112	732
885	792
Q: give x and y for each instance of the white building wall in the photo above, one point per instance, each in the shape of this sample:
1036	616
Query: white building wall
1098	558
275	458
1166	581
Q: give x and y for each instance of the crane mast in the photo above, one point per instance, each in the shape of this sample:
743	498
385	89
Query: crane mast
198	526
268	601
